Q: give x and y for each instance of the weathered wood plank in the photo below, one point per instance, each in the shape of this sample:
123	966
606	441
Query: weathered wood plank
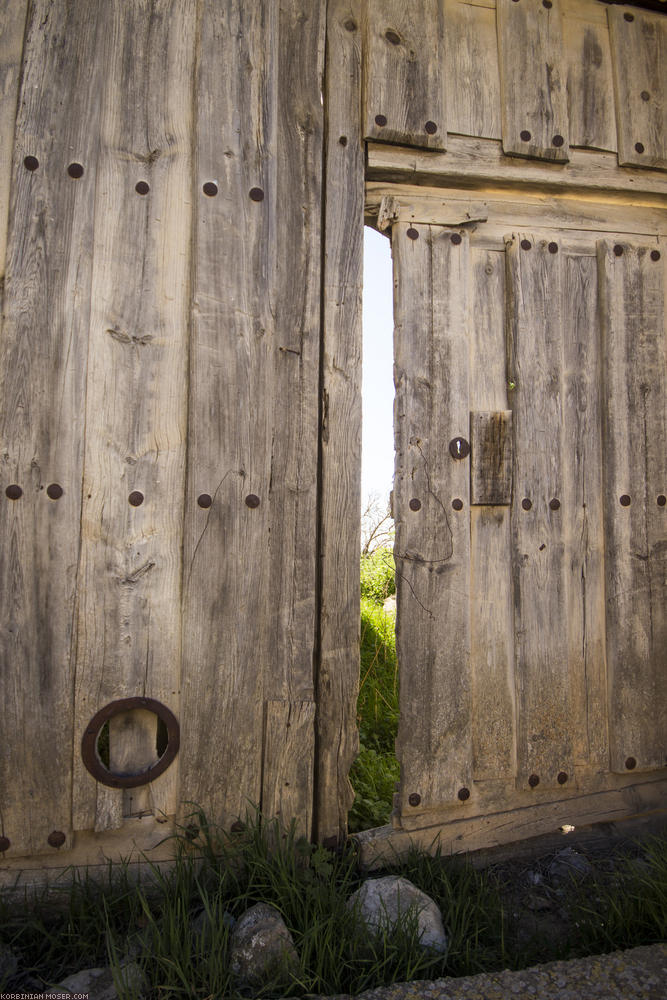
289	751
404	73
129	634
639	55
582	512
632	313
431	510
533	88
338	661
471	58
491	457
590	86
42	391
535	372
12	26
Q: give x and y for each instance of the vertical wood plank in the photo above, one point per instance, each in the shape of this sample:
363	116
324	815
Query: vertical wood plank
340	433
491	458
533	87
42	392
535	368
590	85
471	58
632	313
639	53
129	635
287	775
432	548
404	73
12	26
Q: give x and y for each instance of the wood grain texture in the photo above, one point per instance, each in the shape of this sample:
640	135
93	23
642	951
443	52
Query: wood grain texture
491	457
432	546
632	313
535	370
12	25
338	659
639	55
287	774
590	86
128	633
43	354
533	87
471	58
404	73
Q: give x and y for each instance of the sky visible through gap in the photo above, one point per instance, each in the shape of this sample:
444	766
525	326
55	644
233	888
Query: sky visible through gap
377	451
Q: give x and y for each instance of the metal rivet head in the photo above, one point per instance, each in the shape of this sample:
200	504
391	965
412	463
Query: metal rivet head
662	500
141	187
645	96
414	799
56	838
655	255
547	3
526	503
631	763
456	239
30	162
75	170
457	504
191	831
412	234
629	17
393	37
204	500
237	826
558	140
639	147
464	794
553	248
618	250
13	492
54	491
350	25
136	498
430	127
624	500
525	135
459	448
256	194
252	500
554	504
210	189
526	244
381	120
562	777
415	504
534	780
5	844
343	140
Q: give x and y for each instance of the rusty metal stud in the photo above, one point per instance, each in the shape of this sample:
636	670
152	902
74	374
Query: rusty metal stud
534	780
655	255
459	448
5	844
237	826
54	491
553	248
526	244
204	500
393	37
415	504
75	170
457	504
256	194
554	504
350	24
629	17
343	140
91	758
662	500
456	239
624	500
210	189
136	498
525	135
412	234
464	794
381	120
547	3
562	777
30	162
191	831
414	799
639	147
56	838
631	763
13	492
430	127
645	96
558	140
526	503
252	500
141	187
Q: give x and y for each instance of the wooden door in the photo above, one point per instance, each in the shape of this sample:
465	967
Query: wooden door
531	527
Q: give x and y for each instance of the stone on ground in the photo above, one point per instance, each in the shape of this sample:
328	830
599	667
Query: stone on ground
262	948
383	902
99	983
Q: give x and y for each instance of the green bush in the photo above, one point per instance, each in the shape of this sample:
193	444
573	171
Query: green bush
373	776
377	575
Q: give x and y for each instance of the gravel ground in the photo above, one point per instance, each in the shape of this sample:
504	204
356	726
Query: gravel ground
636	974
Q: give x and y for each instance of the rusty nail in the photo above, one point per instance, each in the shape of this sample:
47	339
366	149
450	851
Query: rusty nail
558	140
629	17
430	127
380	120
256	194
464	794
645	96
75	170
526	503
204	500
562	777
252	500
525	135
5	844
412	234
393	37
534	780
343	140
237	826
553	248
547	3
457	504
141	187
191	831
555	503
631	763
415	504
350	25
618	250
54	491
136	498
56	838
30	162
210	188
639	147
456	239
414	799
624	500
526	244
662	500
459	448
655	255
13	492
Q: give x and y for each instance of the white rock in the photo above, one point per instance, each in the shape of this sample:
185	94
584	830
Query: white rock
262	948
382	902
99	983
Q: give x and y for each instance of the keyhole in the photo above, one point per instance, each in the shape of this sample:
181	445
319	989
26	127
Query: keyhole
459	448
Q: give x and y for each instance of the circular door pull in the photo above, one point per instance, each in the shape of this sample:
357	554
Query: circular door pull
91	757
